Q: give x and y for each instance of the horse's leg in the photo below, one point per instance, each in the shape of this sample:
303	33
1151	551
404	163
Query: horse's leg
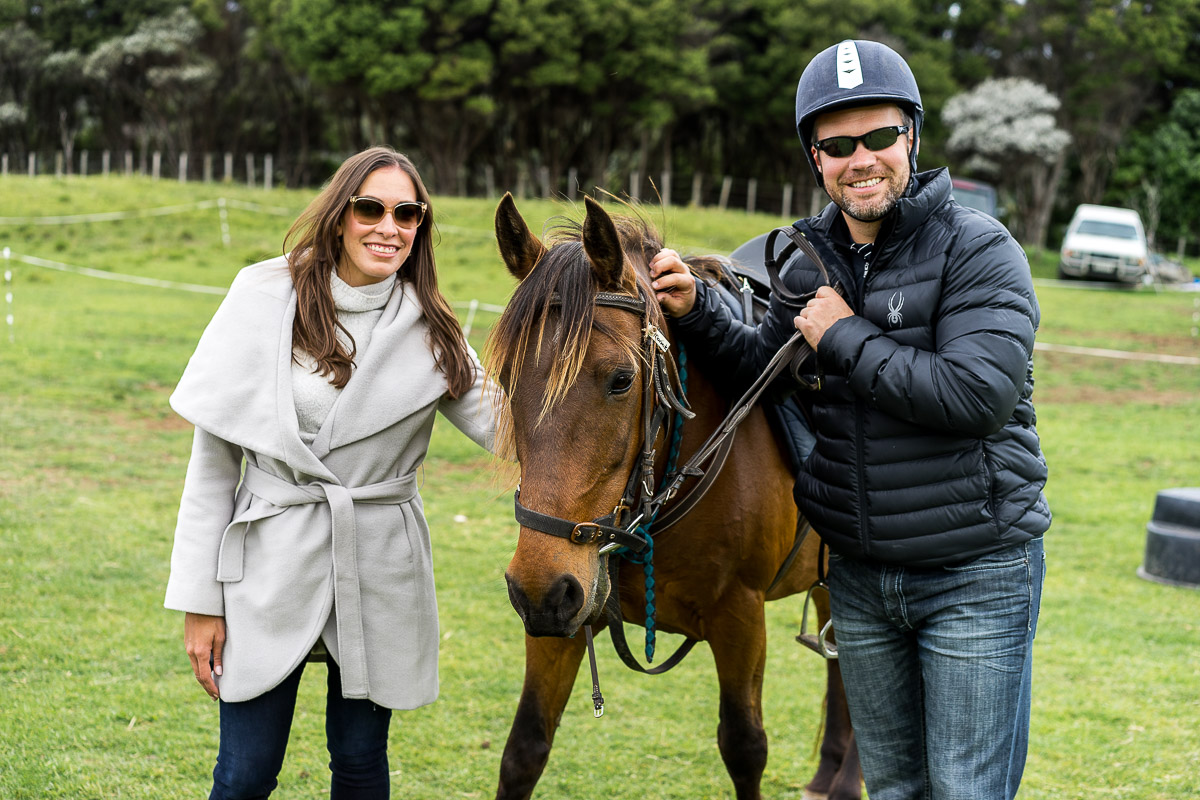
550	668
739	645
838	776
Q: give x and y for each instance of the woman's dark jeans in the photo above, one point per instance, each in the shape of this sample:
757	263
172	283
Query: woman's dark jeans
254	737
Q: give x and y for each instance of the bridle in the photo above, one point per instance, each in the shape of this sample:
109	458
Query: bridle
660	398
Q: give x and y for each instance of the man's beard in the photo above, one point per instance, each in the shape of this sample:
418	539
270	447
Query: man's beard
876	209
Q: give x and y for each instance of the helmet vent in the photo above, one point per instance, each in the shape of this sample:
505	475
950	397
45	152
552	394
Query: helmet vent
849	68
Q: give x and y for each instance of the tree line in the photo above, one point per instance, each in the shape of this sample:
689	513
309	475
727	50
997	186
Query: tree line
1090	100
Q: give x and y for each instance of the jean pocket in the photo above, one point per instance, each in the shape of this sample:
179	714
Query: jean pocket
1009	557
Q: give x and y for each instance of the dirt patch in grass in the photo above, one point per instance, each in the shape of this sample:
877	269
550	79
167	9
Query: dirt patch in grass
1129	340
1094	395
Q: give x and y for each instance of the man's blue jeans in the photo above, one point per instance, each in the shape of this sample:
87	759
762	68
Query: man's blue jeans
254	736
938	665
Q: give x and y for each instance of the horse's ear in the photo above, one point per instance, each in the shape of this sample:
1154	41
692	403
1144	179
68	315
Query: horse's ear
519	248
603	246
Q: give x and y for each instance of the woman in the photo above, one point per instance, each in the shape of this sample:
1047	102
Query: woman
313	392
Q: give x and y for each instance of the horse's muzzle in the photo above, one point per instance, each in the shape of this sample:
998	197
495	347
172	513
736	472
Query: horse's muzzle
557	613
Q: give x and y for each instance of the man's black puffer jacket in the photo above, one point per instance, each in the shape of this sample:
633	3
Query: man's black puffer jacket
926	451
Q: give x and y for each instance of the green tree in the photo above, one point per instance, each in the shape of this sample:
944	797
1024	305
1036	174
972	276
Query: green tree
153	81
1159	172
418	72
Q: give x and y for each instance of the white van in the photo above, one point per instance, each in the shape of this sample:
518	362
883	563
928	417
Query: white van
1104	243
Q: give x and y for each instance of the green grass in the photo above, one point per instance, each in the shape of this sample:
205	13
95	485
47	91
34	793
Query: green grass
96	695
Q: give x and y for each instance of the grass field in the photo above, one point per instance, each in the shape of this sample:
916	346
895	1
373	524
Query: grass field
97	699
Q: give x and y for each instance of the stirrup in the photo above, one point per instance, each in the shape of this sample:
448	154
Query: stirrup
817	642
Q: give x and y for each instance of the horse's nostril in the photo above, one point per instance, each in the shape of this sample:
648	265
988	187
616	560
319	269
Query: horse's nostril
565	598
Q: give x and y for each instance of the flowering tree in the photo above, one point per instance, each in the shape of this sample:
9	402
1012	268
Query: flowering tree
1005	129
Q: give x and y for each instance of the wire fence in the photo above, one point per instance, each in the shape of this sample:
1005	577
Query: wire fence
471	307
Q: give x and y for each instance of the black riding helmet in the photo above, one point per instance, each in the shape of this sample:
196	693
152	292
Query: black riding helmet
855	73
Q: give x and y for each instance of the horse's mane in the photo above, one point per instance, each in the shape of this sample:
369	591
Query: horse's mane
553	309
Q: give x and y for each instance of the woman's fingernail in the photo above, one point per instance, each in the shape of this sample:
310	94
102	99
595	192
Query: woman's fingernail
218	670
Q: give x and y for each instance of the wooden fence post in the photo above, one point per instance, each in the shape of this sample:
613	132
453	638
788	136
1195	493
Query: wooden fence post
635	186
816	201
227	176
128	162
32	164
268	169
665	190
751	195
105	162
4	165
544	179
726	186
697	184
183	167
207	168
83	163
786	208
250	170
58	163
156	165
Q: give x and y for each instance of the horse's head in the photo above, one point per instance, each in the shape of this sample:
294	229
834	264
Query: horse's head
573	371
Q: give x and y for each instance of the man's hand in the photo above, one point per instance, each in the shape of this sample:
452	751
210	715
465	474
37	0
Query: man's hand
674	285
819	314
204	637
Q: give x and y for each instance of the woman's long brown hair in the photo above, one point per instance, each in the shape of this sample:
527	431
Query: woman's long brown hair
314	249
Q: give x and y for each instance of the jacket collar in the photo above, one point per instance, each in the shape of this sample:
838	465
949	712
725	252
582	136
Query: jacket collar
238	383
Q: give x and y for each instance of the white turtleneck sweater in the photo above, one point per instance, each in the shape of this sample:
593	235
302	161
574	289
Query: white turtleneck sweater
358	310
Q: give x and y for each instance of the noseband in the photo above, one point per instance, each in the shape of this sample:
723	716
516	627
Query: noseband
619	528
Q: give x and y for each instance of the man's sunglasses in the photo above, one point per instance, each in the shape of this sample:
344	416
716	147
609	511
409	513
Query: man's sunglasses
370	210
878	139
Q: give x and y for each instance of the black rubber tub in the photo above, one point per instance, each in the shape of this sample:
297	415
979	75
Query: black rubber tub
1173	539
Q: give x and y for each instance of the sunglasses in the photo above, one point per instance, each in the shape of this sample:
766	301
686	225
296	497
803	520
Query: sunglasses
878	139
370	210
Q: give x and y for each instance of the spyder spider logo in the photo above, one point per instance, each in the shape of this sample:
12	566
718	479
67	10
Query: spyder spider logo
894	305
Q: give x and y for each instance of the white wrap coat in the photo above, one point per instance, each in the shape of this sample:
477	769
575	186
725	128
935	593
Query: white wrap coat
292	542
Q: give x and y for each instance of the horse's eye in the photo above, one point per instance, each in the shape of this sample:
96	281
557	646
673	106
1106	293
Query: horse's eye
621	382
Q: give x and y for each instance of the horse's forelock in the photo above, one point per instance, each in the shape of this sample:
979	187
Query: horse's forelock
533	321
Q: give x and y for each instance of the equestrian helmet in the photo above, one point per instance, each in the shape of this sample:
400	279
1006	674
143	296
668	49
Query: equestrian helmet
854	73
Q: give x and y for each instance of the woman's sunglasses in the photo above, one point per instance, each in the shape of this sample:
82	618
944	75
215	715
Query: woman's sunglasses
370	210
878	139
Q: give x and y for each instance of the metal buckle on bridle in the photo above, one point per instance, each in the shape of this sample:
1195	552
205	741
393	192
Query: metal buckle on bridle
586	533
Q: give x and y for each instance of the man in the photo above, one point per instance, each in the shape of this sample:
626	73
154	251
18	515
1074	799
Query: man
926	478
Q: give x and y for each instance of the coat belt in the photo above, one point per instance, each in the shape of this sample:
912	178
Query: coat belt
347	597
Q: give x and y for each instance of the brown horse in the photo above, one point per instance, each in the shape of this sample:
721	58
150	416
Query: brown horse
575	416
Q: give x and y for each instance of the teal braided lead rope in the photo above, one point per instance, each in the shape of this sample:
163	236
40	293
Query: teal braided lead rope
648	561
651	619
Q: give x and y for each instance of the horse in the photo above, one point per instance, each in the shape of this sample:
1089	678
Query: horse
579	387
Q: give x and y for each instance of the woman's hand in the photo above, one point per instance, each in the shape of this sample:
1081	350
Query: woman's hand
674	285
204	637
